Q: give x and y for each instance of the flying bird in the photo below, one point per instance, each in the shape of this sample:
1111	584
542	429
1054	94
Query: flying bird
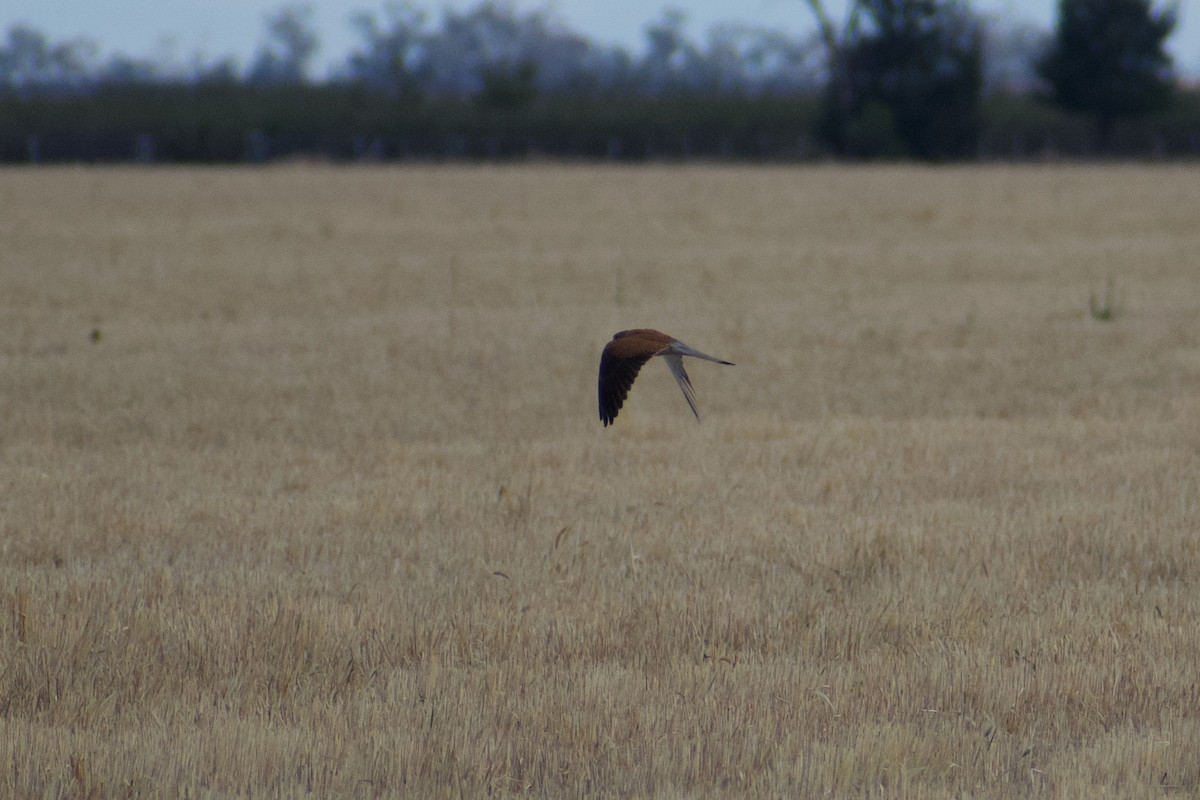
625	355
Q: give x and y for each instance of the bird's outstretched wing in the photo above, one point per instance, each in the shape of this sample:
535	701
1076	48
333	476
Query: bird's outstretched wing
619	365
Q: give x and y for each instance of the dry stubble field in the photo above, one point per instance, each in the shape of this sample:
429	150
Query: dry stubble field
303	490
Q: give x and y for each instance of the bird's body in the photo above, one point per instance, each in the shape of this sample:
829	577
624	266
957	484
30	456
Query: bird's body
625	355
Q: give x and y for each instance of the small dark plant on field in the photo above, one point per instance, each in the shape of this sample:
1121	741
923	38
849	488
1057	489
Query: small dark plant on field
1106	309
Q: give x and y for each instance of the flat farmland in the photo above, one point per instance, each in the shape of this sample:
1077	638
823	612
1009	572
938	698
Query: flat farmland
303	491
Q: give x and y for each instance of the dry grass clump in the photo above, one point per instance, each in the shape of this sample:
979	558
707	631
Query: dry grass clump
304	490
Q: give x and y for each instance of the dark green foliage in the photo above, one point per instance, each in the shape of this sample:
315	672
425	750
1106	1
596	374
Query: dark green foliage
1108	60
231	122
912	82
235	122
508	87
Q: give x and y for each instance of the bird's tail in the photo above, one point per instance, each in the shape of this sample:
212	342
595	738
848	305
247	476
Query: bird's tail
679	348
681	377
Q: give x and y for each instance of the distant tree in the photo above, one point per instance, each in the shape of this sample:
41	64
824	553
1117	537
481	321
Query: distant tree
393	54
508	86
30	62
291	43
773	62
221	72
123	69
567	62
839	95
748	60
906	80
670	56
497	49
1011	49
1108	61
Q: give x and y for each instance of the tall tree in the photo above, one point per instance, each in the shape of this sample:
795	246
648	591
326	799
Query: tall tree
393	51
1108	60
670	55
290	46
906	79
30	61
839	99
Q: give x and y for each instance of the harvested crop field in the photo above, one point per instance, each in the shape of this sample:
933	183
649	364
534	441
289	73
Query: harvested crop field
303	489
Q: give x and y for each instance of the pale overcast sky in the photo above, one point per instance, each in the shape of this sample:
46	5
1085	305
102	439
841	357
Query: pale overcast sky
181	29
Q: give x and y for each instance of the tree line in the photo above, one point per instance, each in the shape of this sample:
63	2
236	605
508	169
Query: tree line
923	79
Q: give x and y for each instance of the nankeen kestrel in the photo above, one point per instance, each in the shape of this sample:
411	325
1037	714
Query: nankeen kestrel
625	355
